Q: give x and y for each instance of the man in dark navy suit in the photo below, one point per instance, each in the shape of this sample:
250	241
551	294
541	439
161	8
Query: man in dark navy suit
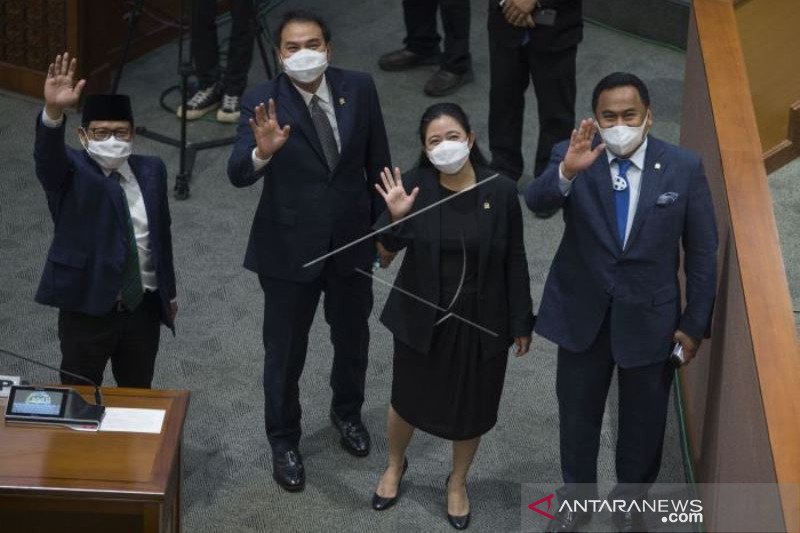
319	144
612	298
109	268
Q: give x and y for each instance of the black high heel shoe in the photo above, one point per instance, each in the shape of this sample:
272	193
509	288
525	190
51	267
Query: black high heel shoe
379	503
458	522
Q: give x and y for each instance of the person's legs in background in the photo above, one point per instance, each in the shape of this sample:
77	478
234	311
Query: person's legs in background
240	55
421	45
456	66
205	54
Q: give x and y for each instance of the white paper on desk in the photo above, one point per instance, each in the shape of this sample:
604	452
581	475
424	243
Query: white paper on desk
133	420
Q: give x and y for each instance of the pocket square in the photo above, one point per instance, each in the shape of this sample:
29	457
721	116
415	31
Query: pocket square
668	198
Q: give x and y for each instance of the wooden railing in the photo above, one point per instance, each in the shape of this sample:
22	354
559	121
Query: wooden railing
742	394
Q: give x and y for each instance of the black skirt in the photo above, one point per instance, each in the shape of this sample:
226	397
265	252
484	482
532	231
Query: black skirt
449	392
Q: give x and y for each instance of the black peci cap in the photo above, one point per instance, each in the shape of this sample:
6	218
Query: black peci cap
106	107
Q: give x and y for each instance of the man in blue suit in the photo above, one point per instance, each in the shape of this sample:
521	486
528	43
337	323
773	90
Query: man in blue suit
612	297
319	144
109	268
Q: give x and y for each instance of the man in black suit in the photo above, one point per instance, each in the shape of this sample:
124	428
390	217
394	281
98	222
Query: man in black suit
319	144
531	40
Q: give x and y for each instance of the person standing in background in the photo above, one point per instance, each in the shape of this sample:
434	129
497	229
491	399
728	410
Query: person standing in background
422	44
218	89
109	269
531	40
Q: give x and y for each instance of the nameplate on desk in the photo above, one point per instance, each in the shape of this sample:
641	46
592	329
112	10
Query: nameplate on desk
129	420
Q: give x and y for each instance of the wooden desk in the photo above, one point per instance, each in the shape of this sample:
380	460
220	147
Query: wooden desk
59	479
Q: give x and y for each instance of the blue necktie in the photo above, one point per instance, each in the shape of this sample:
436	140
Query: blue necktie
622	195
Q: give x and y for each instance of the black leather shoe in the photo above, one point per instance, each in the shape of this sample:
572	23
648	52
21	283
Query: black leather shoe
567	521
355	437
445	82
458	522
630	522
379	503
405	59
288	471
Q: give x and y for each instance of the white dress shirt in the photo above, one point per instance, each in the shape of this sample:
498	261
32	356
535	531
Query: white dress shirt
325	103
634	176
138	214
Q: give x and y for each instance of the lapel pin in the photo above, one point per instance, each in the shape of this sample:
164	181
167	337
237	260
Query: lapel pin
342	101
487	205
657	166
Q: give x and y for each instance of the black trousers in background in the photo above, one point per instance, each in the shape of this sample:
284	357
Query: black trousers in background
423	38
128	339
205	46
553	75
582	383
289	309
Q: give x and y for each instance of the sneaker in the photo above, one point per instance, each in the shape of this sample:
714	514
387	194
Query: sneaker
230	110
405	59
445	82
203	101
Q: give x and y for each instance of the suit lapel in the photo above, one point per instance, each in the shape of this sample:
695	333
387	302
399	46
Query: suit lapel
649	188
600	173
340	97
487	213
431	220
293	105
114	191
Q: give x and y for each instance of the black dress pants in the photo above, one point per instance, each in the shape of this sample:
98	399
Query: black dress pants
205	46
553	76
423	38
289	309
582	383
129	339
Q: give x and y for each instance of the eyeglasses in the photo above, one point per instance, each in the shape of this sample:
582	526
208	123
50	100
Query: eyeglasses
103	134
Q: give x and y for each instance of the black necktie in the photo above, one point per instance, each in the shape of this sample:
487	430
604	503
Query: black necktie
325	133
132	290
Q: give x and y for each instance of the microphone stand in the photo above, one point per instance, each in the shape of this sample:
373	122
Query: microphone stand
98	396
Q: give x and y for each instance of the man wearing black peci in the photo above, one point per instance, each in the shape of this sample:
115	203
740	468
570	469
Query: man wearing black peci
315	135
109	269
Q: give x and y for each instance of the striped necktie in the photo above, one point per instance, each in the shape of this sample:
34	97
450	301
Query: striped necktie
132	290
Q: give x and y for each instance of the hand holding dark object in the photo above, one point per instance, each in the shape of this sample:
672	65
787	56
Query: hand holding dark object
690	345
523	345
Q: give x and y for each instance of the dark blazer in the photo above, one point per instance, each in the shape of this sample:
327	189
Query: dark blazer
84	265
306	209
503	283
592	273
566	33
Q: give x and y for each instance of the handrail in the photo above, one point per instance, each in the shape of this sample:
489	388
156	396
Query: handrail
754	282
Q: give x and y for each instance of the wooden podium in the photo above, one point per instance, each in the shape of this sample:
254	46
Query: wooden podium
59	479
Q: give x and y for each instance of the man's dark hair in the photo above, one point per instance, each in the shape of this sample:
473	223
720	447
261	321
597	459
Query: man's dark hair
620	79
301	15
454	111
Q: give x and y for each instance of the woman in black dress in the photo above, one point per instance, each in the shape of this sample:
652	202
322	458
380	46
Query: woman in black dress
460	300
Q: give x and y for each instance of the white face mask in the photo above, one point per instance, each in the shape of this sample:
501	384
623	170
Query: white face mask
449	156
305	65
623	140
109	154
